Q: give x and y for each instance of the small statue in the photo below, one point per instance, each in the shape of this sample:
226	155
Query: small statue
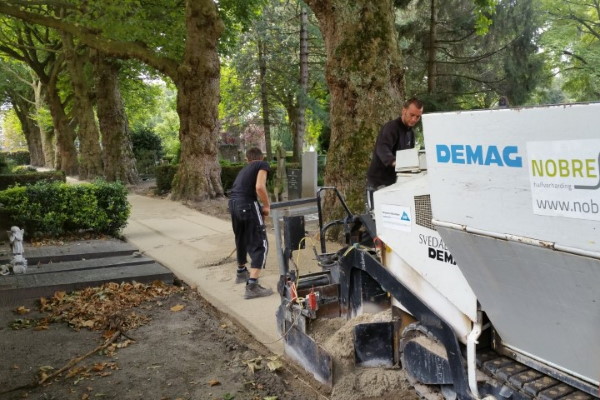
18	262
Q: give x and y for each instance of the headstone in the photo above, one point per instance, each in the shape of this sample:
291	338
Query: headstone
294	178
309	174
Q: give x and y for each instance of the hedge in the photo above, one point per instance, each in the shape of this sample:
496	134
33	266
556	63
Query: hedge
52	208
229	171
8	180
18	157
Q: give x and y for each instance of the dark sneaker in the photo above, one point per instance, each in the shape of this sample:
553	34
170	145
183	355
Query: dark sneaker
242	277
254	290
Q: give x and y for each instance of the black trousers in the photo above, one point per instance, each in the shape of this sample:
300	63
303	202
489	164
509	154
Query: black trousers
250	232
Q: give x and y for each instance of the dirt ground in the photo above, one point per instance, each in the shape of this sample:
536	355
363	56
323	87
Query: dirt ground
174	346
184	350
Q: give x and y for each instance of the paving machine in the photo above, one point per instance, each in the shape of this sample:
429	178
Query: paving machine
487	249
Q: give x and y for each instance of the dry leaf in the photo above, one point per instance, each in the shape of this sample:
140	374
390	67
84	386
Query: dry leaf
254	364
178	307
22	310
274	364
98	366
213	382
124	343
41	328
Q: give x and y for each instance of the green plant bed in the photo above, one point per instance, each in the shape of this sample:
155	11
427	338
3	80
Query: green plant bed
30	177
229	171
17	157
54	209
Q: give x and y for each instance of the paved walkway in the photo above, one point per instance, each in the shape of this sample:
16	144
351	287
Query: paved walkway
190	244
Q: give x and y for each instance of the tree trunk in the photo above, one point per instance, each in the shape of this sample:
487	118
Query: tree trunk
90	164
262	65
47	136
66	153
23	109
119	161
199	174
365	79
431	42
301	110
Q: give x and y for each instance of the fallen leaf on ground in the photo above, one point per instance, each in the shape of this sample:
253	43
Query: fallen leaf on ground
213	382
274	364
178	307
22	310
41	328
254	364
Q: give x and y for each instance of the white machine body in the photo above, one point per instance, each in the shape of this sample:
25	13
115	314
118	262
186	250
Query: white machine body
515	202
417	255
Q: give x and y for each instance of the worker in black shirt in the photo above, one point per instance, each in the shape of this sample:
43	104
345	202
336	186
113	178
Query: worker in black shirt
395	135
247	215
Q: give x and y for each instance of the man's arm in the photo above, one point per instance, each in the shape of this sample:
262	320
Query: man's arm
261	192
385	144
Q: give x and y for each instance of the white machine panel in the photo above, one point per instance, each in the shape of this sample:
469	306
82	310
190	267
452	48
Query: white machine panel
419	257
532	172
500	178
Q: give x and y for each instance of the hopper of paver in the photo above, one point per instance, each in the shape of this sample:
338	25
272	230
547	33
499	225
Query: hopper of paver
515	196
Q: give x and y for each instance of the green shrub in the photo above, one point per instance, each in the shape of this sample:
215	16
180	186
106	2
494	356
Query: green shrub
23	169
8	180
17	157
164	177
3	164
229	171
52	208
148	150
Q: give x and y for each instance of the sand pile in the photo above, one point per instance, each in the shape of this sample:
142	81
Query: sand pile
358	383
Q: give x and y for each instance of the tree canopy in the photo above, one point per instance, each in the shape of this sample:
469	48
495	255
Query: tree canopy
325	72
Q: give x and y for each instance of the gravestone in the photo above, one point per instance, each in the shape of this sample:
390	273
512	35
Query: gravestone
309	174
294	178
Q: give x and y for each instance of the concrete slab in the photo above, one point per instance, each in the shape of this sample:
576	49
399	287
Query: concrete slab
74	251
186	248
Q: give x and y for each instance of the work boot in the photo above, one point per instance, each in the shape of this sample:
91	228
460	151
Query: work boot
254	290
242	277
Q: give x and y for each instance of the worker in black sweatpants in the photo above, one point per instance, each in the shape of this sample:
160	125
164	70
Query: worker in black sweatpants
247	219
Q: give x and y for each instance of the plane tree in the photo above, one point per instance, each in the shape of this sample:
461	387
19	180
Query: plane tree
18	87
39	48
180	40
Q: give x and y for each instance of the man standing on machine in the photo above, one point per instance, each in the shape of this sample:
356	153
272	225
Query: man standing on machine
395	135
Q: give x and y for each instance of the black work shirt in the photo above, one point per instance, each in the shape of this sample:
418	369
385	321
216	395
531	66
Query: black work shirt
393	136
244	186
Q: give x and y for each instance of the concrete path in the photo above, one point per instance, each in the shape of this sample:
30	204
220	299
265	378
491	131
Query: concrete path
190	244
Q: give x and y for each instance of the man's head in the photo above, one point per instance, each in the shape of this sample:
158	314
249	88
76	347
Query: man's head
412	111
254	154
